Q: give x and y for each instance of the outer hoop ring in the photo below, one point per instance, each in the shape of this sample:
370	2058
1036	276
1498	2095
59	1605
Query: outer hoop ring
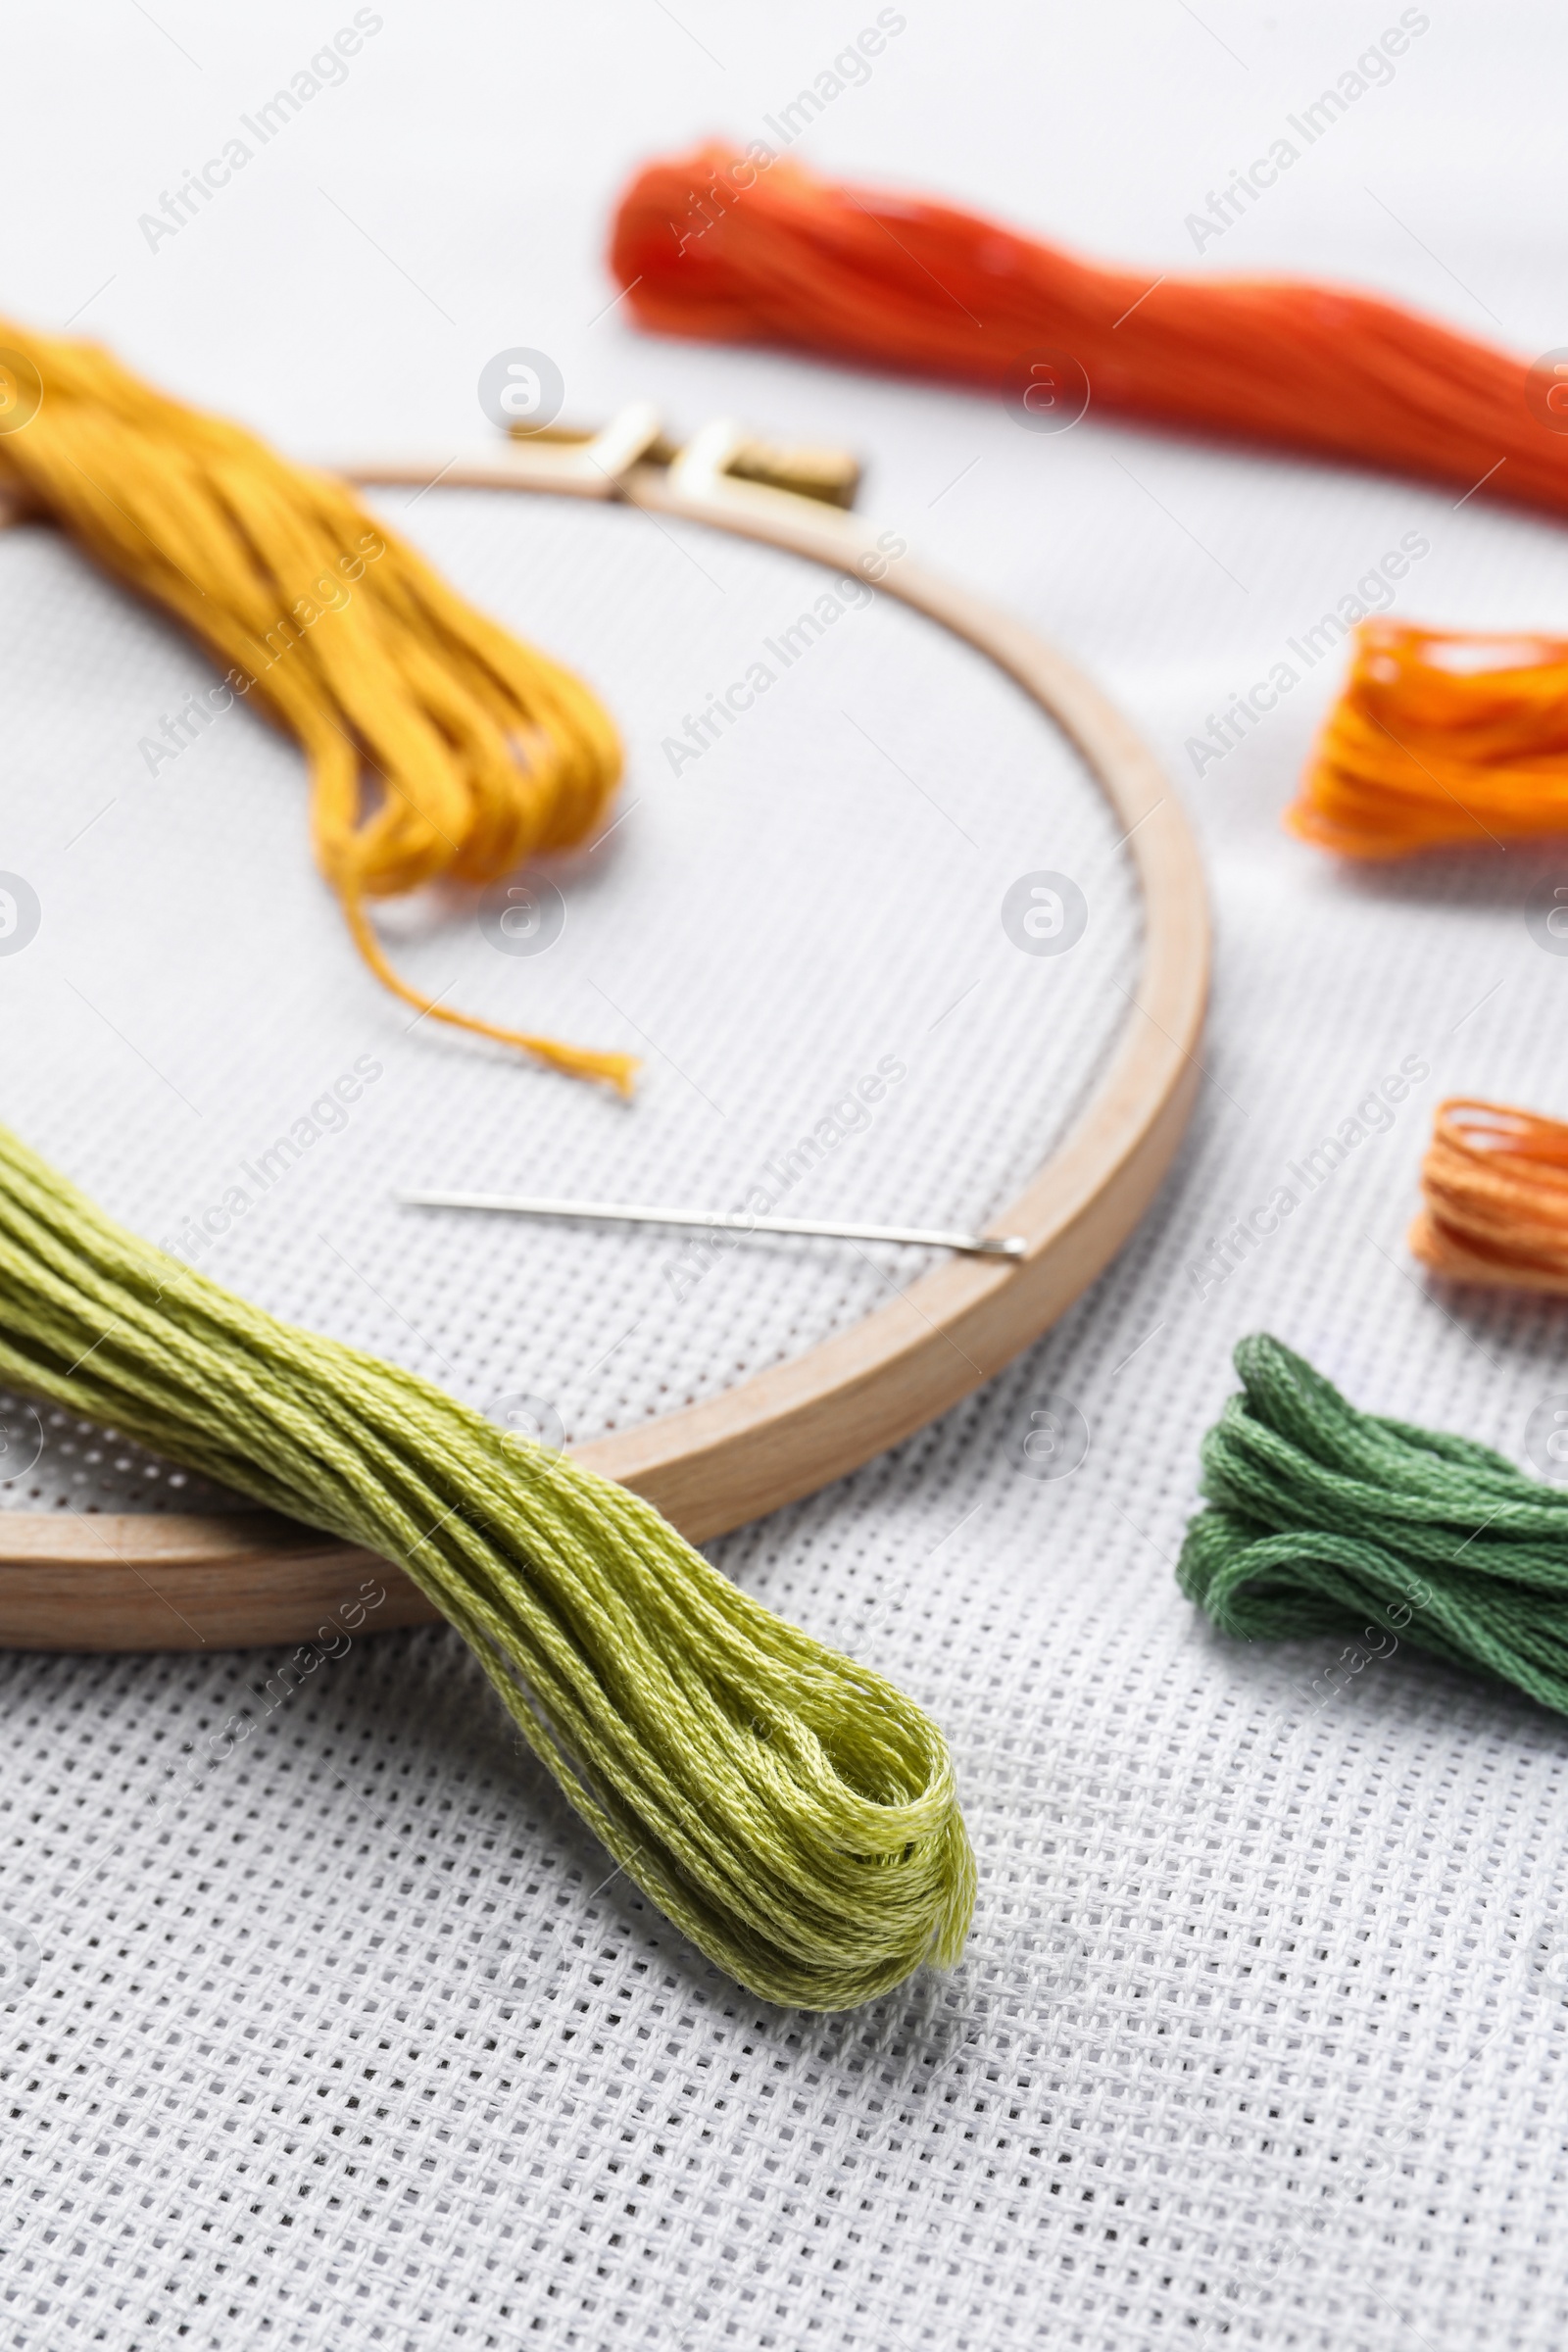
146	1581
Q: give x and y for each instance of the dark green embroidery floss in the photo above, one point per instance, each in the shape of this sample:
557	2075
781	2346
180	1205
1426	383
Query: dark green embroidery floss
1322	1519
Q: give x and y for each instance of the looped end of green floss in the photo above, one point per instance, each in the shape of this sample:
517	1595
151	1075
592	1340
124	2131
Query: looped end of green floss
792	1812
1322	1519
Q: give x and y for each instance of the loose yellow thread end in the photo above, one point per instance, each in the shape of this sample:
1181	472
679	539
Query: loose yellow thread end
618	1071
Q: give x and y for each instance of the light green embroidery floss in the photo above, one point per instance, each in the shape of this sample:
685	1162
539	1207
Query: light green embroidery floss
791	1811
1324	1519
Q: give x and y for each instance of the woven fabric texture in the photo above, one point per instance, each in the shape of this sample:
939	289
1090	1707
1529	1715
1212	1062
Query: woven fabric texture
322	2021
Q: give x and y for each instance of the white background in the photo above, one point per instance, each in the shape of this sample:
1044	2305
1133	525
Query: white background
1261	2033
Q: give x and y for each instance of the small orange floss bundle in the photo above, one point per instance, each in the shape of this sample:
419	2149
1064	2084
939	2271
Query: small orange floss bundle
1495	1190
1439	735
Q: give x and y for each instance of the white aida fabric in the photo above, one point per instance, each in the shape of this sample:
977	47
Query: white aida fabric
336	2031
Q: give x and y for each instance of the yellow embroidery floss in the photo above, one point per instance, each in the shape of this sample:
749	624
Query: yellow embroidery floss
439	747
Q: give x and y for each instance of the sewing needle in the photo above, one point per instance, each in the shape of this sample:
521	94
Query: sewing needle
625	1213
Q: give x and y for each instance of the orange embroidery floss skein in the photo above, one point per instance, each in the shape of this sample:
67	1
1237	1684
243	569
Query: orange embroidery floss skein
1439	735
1494	1196
753	248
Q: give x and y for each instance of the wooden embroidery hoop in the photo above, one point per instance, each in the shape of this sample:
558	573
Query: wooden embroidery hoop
152	1581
